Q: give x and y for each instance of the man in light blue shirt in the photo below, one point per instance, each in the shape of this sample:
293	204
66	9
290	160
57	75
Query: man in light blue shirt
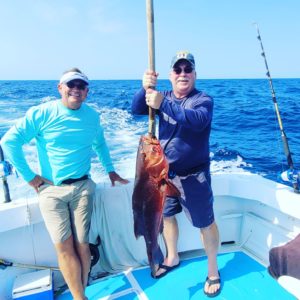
66	131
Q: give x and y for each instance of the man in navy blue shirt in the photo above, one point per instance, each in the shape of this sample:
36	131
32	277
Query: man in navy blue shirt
185	116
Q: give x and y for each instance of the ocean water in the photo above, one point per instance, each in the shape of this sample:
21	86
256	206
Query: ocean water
245	133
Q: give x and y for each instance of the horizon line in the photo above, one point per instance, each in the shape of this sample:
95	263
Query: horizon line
234	78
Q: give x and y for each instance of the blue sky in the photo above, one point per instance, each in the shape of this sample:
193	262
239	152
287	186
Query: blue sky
107	39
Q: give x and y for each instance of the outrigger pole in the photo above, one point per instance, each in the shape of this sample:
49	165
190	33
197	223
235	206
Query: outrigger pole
151	57
293	174
4	171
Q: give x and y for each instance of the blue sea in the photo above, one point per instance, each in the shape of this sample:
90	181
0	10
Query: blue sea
245	133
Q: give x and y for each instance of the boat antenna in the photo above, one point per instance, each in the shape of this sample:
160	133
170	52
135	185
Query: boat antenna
5	170
292	174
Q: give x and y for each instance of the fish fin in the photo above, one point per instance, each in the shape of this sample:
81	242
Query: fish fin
138	229
161	227
172	190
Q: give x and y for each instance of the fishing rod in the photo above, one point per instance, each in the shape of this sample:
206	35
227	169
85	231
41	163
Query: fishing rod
292	174
7	263
5	170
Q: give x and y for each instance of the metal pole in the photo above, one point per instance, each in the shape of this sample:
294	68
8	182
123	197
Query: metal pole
4	180
151	57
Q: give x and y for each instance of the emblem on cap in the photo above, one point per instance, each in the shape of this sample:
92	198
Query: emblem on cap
182	54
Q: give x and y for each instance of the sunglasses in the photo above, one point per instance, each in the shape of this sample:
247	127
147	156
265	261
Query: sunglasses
186	70
79	85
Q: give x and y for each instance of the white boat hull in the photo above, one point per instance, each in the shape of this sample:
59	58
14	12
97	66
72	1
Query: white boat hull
253	214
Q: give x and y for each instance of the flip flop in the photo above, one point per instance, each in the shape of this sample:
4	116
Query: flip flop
164	267
211	282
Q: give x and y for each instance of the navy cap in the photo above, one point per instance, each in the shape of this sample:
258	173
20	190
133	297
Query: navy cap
185	55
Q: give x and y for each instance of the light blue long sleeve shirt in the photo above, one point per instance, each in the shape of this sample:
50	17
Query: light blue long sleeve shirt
65	140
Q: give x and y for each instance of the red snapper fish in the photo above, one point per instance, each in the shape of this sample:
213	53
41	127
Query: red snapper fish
151	187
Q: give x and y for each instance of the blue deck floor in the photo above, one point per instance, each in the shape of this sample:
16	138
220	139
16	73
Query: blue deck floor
242	278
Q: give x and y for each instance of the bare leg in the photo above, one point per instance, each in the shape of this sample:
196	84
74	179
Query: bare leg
210	239
70	267
84	254
170	237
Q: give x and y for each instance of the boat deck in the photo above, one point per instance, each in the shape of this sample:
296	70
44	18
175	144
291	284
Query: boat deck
242	278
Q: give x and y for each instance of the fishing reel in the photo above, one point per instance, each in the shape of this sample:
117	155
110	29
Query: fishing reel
6	169
292	176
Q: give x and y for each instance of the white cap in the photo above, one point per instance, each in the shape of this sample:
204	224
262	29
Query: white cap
69	76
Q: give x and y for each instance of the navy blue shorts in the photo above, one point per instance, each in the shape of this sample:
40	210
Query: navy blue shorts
196	199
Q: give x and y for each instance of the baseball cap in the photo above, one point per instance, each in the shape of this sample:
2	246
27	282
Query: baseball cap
72	75
183	55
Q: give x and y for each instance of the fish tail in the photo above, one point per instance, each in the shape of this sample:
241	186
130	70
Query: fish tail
156	259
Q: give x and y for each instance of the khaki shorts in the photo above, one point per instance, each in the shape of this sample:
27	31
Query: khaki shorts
67	209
